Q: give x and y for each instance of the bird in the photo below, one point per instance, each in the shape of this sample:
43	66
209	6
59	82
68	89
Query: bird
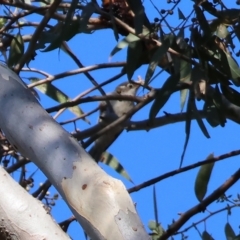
111	111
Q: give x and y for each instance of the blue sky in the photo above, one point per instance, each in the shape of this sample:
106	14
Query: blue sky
147	154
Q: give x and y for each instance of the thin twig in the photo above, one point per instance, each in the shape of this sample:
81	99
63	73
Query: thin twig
77	71
35	36
181	170
201	206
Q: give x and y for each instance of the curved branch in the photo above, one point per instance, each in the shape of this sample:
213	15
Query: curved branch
201	206
181	170
77	71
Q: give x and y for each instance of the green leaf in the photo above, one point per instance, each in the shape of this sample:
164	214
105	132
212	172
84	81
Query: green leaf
231	94
156	228
187	128
202	179
2	22
124	43
157	56
108	159
87	12
229	16
185	76
140	17
155	204
64	35
237	237
57	95
181	15
222	31
199	120
134	53
212	114
229	233
202	21
206	236
163	95
234	69
152	225
16	50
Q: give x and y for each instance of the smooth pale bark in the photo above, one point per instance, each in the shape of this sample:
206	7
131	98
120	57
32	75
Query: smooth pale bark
23	217
99	202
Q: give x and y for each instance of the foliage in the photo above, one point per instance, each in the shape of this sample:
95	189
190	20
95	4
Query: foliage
198	58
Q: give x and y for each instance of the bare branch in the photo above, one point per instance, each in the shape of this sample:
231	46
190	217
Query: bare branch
184	169
201	206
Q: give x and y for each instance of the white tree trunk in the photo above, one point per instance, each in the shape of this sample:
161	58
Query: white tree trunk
23	217
99	202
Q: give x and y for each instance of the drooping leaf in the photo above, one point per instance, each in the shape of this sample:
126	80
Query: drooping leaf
59	96
234	69
2	22
206	236
124	43
155	204
16	50
229	16
187	127
134	53
202	179
237	237
218	102
163	95
229	233
185	76
183	67
222	31
70	31
87	12
199	120
212	114
202	21
181	15
231	94
140	17
157	56
108	159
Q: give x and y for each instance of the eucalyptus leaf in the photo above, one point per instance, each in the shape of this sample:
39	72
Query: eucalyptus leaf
234	69
163	95
206	236
212	114
64	35
140	18
134	53
199	120
231	94
87	12
124	43
222	31
202	179
185	76
157	56
229	233
187	127
59	96
108	159
16	50
155	204
203	21
181	15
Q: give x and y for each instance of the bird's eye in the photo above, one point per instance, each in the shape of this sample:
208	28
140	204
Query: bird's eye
130	85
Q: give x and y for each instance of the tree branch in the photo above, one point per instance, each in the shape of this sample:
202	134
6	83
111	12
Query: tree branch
184	169
201	206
